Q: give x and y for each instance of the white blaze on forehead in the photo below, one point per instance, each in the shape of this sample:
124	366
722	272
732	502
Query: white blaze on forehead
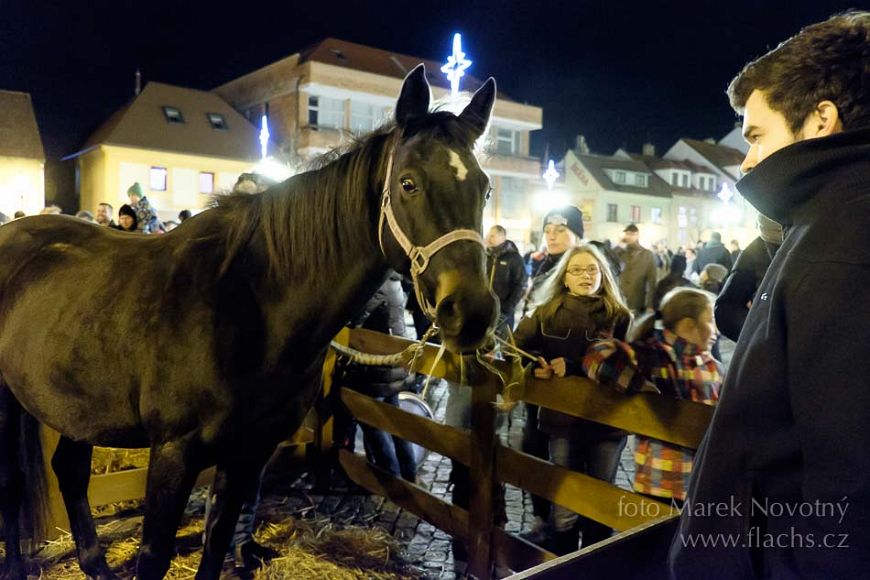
457	164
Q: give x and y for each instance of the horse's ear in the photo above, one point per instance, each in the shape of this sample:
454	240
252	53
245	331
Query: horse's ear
478	110
414	98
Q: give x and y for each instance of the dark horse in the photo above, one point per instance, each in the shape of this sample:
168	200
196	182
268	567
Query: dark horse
206	344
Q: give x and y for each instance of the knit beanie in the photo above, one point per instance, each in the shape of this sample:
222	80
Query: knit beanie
127	210
135	189
569	216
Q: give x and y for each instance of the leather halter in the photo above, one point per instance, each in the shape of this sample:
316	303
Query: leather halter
419	255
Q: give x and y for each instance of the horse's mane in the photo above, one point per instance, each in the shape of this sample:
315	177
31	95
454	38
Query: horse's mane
311	219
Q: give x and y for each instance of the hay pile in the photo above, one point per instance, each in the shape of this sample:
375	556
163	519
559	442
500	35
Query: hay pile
315	548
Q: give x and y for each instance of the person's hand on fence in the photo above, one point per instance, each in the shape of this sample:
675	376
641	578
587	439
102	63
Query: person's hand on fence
543	370
558	366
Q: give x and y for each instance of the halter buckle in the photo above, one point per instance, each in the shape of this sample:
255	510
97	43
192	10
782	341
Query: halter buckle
419	260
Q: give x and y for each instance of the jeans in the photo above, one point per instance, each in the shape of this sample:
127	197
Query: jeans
598	459
387	451
535	444
244	531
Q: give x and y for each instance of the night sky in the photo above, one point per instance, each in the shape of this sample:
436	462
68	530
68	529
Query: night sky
620	73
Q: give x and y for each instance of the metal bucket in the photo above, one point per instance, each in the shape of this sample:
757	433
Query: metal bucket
415	404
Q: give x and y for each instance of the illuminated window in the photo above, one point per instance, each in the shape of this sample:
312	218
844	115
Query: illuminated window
682	220
217	121
173	114
655	215
158	179
325	112
507	141
612	212
206	182
365	117
635	213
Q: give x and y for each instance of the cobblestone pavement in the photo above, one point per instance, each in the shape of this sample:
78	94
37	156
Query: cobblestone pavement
427	548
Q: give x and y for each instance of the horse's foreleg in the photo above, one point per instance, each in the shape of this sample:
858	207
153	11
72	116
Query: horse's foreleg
235	483
11	485
171	475
72	465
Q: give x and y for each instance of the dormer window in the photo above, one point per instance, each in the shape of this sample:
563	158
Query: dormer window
217	121
173	114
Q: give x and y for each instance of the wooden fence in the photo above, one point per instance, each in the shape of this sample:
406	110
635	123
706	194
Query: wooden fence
675	421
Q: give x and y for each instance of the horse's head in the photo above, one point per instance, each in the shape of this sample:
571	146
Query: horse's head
432	211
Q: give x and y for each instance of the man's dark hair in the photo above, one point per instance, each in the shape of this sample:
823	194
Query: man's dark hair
828	60
500	229
716	237
183	215
108	205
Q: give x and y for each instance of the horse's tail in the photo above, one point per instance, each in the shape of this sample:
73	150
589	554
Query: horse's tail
23	450
34	505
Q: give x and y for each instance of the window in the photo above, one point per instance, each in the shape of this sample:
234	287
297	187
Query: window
712	184
635	213
655	215
703	183
206	182
217	121
684	180
512	199
619	176
158	179
682	220
612	212
675	177
364	117
173	114
640	179
507	141
326	112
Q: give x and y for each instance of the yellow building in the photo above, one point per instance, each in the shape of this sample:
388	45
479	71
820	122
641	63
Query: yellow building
22	158
322	96
181	145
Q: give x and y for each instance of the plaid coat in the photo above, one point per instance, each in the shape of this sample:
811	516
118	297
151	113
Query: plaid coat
678	369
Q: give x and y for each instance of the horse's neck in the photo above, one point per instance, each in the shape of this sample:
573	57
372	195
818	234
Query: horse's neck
324	299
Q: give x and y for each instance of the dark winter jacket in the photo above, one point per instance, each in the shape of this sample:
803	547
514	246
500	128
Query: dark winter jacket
578	322
713	253
384	312
787	449
637	282
507	275
740	286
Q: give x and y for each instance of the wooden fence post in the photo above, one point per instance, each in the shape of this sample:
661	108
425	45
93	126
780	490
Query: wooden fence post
483	497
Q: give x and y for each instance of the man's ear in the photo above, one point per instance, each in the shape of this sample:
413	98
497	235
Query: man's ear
823	121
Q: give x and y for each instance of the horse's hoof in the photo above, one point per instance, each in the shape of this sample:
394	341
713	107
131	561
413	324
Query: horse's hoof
250	555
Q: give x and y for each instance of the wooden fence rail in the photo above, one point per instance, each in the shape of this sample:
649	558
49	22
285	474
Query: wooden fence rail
671	420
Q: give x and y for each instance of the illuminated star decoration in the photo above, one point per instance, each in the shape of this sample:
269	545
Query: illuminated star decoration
456	65
725	194
264	137
551	175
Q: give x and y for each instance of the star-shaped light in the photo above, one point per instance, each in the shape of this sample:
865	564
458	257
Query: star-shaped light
264	137
456	65
725	194
551	175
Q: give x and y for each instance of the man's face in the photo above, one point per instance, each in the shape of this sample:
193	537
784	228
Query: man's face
559	238
630	237
494	238
766	130
103	215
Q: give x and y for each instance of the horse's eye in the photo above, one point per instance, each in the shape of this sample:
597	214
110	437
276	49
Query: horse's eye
408	184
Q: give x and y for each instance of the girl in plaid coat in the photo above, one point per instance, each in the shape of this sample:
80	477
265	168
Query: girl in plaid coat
678	362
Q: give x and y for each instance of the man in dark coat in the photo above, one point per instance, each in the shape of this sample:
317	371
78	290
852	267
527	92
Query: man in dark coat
781	483
732	304
713	252
675	279
637	282
507	273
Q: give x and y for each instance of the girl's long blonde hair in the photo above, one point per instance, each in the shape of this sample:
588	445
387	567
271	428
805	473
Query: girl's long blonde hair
552	293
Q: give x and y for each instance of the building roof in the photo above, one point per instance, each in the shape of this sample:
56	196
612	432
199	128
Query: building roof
596	165
19	133
719	155
142	124
381	62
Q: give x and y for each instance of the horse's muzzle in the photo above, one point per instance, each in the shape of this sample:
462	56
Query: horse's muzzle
466	319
